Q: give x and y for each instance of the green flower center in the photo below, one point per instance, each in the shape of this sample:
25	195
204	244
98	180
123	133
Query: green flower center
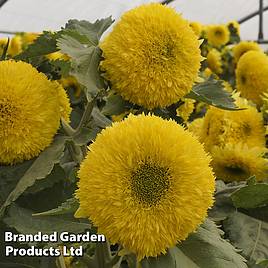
150	183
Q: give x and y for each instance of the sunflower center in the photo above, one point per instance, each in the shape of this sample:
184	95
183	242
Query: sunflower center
243	79
235	170
6	112
218	33
246	129
150	183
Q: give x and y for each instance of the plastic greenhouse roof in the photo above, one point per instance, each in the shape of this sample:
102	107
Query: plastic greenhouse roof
37	15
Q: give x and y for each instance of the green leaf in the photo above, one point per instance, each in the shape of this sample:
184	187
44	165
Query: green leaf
93	31
115	105
80	42
207	248
40	168
69	206
44	44
85	135
223	205
251	196
62	66
263	263
248	234
56	175
85	63
213	93
22	220
173	259
9	177
99	119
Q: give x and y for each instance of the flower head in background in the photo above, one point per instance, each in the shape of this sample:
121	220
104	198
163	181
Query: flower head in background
30	111
214	61
241	48
152	56
197	27
234	27
217	35
252	76
244	126
238	162
146	184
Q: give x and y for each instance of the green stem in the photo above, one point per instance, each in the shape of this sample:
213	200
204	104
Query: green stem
102	254
69	131
86	115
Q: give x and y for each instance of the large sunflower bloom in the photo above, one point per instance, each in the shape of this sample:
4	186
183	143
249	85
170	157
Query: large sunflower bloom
152	56
252	76
146	184
221	127
217	35
30	111
237	162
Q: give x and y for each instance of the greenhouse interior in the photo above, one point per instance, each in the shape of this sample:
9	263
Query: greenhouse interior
134	134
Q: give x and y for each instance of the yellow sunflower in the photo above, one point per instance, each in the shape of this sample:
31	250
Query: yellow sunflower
234	25
146	184
196	27
214	61
252	76
14	47
196	126
152	56
237	162
71	81
221	127
186	109
217	35
57	56
29	38
243	47
30	111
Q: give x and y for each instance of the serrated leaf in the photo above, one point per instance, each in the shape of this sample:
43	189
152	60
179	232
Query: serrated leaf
213	93
44	44
63	66
115	105
67	207
251	196
80	42
22	220
207	248
85	63
248	234
40	168
92	31
173	259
